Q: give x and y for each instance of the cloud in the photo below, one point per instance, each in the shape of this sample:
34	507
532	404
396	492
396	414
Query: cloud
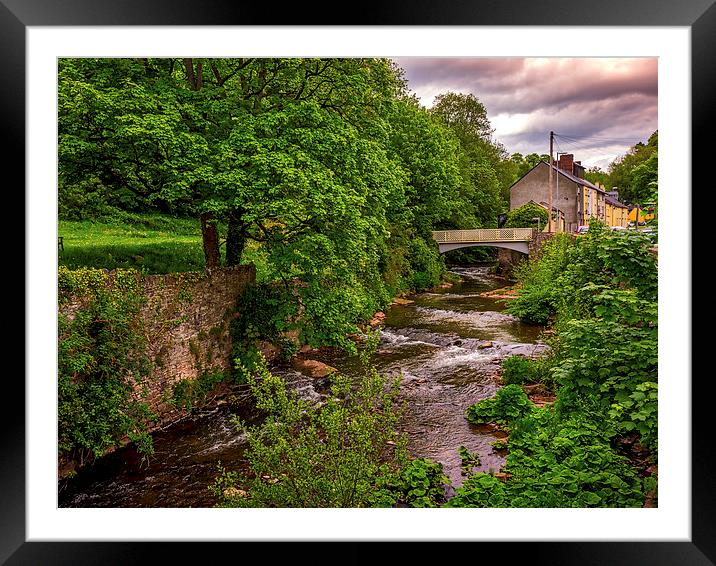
585	98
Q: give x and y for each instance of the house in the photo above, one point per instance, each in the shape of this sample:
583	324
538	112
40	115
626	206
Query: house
559	213
616	212
578	199
646	213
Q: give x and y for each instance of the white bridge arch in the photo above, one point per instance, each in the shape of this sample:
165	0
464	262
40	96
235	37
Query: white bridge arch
517	239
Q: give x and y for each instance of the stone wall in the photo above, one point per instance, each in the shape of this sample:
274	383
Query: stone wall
186	320
537	241
507	260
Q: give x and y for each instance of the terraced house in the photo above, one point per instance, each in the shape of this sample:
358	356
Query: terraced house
578	199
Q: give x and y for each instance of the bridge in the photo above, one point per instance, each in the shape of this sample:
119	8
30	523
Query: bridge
517	239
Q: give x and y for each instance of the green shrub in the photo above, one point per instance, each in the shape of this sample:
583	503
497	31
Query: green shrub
517	370
557	463
521	217
190	393
426	264
509	404
604	362
522	370
83	200
419	484
345	453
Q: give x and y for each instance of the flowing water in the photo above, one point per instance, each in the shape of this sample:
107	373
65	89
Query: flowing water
447	345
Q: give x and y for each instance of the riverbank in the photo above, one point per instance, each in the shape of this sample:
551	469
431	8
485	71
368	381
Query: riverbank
447	343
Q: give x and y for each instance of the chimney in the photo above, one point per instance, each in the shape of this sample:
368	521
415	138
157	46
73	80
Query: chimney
566	162
578	169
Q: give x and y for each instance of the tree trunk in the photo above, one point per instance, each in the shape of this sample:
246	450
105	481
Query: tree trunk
235	238
210	238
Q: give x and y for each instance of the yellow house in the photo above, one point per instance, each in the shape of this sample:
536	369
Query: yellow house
598	203
616	212
648	212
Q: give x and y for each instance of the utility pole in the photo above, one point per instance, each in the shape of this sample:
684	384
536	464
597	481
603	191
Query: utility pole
551	147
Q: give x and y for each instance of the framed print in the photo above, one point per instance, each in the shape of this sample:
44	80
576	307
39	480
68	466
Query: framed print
37	529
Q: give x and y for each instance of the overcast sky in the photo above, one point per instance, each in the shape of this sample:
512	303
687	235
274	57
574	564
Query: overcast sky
604	105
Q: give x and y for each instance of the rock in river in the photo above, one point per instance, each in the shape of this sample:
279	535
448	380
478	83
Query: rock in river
312	368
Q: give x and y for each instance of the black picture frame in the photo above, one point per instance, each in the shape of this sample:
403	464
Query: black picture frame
16	15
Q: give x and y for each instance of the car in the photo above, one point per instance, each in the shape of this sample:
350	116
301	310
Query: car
617	228
582	229
650	233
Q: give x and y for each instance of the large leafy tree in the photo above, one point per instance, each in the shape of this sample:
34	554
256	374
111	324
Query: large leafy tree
429	156
158	132
597	175
524	163
636	172
485	164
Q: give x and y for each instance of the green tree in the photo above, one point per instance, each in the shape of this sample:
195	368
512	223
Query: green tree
523	163
523	216
156	132
635	173
597	175
645	180
485	166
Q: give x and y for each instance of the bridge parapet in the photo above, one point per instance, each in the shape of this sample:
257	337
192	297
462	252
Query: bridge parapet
483	235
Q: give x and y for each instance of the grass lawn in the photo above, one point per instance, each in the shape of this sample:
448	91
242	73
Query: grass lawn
151	243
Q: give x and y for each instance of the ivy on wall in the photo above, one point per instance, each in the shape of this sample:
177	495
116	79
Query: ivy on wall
100	356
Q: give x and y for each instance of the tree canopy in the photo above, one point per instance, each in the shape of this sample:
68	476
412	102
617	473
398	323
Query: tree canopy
329	165
636	172
486	170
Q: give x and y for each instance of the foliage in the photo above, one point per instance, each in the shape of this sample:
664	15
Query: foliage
596	175
523	370
602	287
426	266
99	360
190	393
608	369
509	404
636	172
428	154
556	462
558	281
264	313
523	216
524	163
419	484
539	295
344	453
517	370
468	461
263	144
486	170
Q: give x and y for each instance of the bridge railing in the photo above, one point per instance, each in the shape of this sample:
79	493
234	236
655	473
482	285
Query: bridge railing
483	235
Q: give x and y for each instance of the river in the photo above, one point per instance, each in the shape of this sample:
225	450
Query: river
448	345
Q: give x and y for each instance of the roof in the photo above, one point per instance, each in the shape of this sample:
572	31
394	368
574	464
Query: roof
615	202
546	205
574	178
564	173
